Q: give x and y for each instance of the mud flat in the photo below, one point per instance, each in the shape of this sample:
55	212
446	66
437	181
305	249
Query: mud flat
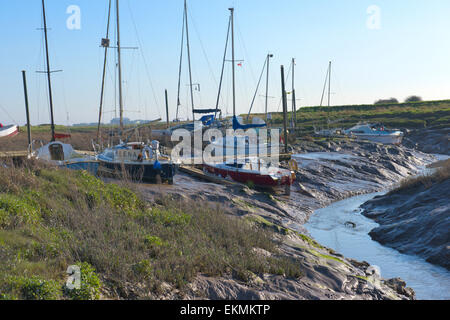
348	169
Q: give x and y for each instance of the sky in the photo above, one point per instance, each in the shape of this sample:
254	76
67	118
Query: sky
378	48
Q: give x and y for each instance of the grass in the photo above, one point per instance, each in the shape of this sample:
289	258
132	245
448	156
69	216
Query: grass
413	115
440	174
51	219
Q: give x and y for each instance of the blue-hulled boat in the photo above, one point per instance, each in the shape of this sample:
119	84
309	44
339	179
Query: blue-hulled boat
140	162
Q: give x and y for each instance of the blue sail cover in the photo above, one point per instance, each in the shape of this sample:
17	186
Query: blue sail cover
237	125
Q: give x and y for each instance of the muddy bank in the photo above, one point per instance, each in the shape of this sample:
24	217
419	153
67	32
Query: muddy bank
414	221
429	140
347	169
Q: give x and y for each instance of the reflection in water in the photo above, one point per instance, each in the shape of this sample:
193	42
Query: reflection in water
330	227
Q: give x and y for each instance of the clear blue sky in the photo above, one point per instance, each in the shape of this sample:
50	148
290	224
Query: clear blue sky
409	54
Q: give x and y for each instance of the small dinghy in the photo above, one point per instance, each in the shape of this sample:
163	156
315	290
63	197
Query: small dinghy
8	131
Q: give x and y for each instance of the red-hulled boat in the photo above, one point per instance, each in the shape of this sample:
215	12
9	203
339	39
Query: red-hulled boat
253	171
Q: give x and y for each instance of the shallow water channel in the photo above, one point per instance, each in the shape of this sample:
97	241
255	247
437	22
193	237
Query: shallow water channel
330	227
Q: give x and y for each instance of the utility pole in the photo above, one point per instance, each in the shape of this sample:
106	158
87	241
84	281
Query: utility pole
285	121
26	106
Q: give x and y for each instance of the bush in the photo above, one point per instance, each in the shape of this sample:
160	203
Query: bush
386	101
33	288
413	99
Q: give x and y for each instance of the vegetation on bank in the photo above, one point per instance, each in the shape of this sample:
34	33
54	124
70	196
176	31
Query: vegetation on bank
125	247
411	115
440	174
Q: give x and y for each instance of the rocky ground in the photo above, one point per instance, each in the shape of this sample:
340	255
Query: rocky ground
414	221
348	168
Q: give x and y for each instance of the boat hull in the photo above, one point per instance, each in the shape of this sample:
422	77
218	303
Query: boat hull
139	172
90	166
381	138
260	180
9	131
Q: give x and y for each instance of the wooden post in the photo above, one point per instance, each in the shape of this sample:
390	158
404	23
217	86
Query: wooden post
26	106
285	121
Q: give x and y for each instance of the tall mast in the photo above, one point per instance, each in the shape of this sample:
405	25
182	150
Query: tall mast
267	81
294	107
120	70
232	60
189	59
106	46
329	85
223	68
48	74
180	67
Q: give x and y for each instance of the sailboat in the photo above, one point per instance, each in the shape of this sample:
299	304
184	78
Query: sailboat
140	161
252	170
56	152
8	131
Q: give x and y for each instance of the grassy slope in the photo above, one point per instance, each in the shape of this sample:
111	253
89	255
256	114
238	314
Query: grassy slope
50	219
413	115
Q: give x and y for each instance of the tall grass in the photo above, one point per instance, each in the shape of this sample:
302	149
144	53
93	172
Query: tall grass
440	174
52	218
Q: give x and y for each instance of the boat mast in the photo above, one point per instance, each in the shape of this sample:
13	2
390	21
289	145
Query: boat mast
232	60
189	59
294	107
180	68
223	68
233	77
48	74
267	82
120	70
105	44
329	84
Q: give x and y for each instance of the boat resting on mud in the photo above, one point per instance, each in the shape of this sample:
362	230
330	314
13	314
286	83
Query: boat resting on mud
254	171
8	131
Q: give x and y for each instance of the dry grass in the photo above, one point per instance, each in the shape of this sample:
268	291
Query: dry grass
51	218
440	174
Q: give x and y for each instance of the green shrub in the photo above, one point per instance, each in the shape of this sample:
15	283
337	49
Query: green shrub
33	288
143	268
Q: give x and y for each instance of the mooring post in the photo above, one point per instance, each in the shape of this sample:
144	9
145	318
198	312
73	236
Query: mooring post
285	121
26	106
